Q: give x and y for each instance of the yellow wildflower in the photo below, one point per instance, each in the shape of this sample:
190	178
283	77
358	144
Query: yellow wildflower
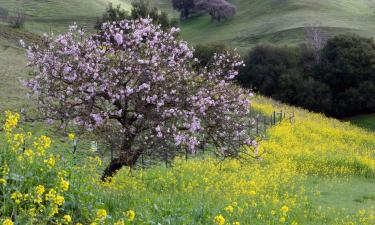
236	223
51	195
50	161
130	214
11	121
219	220
120	222
284	209
282	220
59	200
64	185
101	214
8	222
3	181
67	219
229	209
40	189
29	153
16	197
71	136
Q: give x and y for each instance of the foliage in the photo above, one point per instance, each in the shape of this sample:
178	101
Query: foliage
184	6
340	83
137	83
348	68
217	9
205	52
112	14
140	9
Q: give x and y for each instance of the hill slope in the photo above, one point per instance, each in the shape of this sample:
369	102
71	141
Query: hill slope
282	21
315	171
276	21
55	15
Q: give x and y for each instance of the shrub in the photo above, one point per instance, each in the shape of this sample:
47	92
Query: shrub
264	66
17	20
140	9
348	65
217	9
138	83
205	52
340	83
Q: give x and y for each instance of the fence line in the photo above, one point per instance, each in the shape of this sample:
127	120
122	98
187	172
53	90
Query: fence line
258	125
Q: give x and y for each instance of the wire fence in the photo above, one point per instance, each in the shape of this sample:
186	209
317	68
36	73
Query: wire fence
258	125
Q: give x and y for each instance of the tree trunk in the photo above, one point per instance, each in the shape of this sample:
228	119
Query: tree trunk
117	163
128	157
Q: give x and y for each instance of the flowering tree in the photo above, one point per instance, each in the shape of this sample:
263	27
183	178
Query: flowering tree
138	83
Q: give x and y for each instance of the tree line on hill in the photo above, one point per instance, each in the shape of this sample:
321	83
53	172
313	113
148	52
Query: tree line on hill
337	80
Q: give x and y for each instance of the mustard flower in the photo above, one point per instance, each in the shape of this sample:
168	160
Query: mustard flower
130	214
64	185
67	219
71	136
3	181
8	222
219	220
101	214
229	209
284	209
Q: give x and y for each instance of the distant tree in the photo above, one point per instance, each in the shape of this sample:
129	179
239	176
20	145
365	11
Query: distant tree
112	14
140	9
3	14
348	67
185	7
138	83
264	66
317	39
143	9
217	9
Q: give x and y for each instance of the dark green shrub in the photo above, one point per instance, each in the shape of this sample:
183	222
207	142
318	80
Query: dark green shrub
140	9
205	52
341	84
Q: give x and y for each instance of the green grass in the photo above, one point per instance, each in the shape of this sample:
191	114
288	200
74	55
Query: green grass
364	121
281	22
55	15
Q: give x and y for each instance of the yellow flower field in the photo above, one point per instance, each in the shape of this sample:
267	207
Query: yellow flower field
43	183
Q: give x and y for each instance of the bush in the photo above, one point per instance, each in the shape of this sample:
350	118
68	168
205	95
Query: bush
264	67
217	9
140	9
341	84
17	20
348	66
205	52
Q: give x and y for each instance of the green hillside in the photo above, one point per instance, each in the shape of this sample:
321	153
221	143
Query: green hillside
282	21
56	16
256	21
